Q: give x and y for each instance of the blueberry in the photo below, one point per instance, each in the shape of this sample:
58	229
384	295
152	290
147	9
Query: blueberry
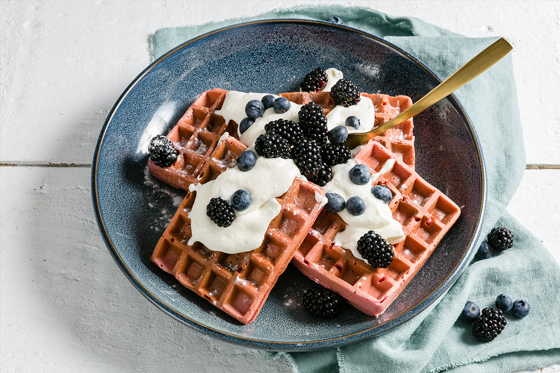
267	101
470	312
254	109
353	122
355	205
241	199
336	202
359	174
281	105
246	160
245	124
504	303
336	20
382	192
338	135
520	308
484	251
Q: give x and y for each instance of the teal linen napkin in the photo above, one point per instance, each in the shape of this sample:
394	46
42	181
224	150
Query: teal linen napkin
436	340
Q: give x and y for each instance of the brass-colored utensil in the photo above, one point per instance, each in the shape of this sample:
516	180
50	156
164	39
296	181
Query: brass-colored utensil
476	66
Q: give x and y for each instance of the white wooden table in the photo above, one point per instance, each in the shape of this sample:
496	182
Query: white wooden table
64	304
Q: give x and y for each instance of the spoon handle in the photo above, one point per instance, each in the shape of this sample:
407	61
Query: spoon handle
476	66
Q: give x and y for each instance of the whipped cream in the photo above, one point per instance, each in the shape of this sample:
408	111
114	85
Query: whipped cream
377	216
364	110
269	178
334	76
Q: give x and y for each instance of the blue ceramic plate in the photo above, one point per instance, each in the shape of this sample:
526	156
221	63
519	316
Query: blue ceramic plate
133	209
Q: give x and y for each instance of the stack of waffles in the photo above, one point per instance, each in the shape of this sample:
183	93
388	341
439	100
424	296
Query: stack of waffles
239	284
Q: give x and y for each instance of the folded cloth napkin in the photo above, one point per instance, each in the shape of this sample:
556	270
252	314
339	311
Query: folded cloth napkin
436	340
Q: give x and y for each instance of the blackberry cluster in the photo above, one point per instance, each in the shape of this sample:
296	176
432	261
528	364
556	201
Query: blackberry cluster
161	151
500	238
376	250
272	145
322	302
314	81
307	156
345	93
313	123
286	129
220	212
323	176
333	154
489	324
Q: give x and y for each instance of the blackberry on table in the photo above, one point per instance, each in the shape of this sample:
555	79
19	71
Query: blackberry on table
489	324
161	151
333	154
307	156
500	238
271	145
322	302
220	212
286	129
375	250
345	93
314	81
323	176
313	123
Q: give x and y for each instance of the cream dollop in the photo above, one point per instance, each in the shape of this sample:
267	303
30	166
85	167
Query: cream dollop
364	110
333	76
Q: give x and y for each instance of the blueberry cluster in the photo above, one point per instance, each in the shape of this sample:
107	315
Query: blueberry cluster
255	109
499	239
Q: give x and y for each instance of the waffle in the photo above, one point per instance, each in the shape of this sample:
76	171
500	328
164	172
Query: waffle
238	284
399	140
425	215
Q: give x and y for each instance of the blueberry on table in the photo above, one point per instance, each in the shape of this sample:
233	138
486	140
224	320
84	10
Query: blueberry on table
355	206
336	203
254	109
335	20
520	308
338	135
484	251
470	312
504	303
359	174
246	160
241	199
382	192
281	105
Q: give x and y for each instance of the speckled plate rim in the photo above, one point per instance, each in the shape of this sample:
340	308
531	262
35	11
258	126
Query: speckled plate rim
270	344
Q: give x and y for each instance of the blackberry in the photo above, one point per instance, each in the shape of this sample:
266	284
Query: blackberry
345	93
314	81
271	145
500	238
307	156
313	123
324	175
220	212
333	154
375	249
322	302
161	151
489	324
286	129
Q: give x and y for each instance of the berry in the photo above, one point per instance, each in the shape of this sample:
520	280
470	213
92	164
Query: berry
484	251
382	192
246	160
359	174
323	176
271	145
314	81
281	105
504	303
333	154
245	124
345	93
375	250
336	20
241	199
254	109
500	238
267	101
322	302
286	129
161	151
336	203
338	135
307	156
470	312
355	206
520	308
220	212
313	123
353	122
489	324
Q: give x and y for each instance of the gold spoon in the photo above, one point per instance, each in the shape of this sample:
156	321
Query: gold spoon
479	64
